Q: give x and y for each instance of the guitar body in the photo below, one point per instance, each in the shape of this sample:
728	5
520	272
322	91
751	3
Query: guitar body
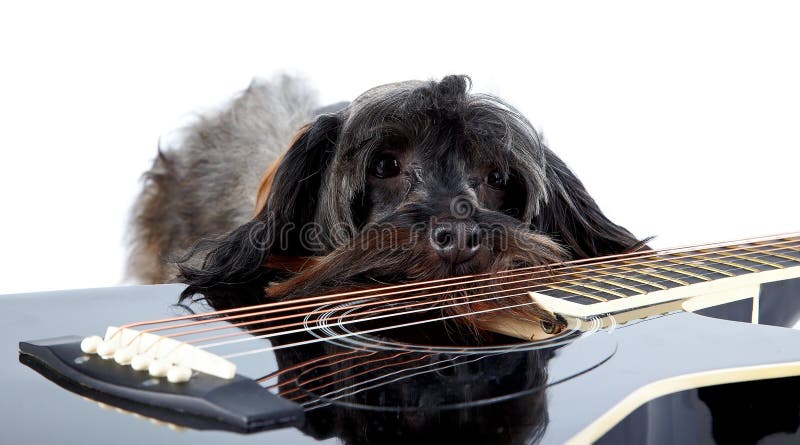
671	377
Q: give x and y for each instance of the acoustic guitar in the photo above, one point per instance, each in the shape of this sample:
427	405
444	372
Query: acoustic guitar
683	345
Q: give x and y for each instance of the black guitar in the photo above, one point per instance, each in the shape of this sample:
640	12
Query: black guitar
677	346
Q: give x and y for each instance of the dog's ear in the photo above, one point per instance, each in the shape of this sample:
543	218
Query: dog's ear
572	216
232	272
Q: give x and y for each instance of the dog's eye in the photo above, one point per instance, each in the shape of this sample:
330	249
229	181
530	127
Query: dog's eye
496	180
385	167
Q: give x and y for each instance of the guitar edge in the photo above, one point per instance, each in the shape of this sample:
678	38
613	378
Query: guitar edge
664	355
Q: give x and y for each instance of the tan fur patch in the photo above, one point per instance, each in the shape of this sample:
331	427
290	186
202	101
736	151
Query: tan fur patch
269	175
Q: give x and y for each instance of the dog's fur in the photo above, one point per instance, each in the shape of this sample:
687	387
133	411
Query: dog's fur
206	186
322	198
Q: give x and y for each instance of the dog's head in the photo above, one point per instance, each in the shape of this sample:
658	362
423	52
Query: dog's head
413	180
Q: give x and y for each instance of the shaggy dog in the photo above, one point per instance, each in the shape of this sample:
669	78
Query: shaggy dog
411	181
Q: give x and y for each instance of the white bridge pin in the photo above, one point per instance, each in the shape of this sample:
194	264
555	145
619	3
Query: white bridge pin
123	356
179	374
158	367
89	344
106	349
140	362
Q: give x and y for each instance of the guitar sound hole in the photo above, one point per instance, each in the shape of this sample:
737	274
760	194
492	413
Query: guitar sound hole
409	362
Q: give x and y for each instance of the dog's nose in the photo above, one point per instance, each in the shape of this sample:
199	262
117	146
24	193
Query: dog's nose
456	242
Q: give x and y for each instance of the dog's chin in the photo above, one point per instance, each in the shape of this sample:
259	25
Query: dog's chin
468	267
488	262
477	264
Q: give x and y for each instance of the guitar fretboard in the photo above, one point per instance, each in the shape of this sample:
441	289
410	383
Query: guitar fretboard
598	284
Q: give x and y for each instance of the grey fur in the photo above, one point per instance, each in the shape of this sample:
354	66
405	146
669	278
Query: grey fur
206	186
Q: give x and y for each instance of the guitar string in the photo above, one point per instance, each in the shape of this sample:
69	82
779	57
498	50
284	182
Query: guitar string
460	279
386	287
543	285
379	329
492	276
309	362
300	384
505	290
384	302
599	273
506	296
360	373
310	405
306	364
248	336
328	364
389	375
356	321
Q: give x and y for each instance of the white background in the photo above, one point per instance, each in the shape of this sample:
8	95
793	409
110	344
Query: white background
681	118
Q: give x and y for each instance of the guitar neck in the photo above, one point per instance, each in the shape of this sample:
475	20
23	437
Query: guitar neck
631	283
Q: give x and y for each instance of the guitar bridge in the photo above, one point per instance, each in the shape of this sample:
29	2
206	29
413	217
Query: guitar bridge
237	404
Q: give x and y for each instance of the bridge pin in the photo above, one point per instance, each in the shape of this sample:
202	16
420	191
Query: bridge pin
179	374
106	349
123	356
158	367
140	362
89	344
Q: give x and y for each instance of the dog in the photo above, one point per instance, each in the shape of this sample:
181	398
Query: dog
411	181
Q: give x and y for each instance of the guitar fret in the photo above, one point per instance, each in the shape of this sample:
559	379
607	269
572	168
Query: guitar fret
775	254
795	248
759	261
578	293
702	266
602	284
631	278
654	274
617	284
600	289
683	272
730	263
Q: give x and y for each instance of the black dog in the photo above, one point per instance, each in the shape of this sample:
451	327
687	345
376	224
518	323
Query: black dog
411	181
